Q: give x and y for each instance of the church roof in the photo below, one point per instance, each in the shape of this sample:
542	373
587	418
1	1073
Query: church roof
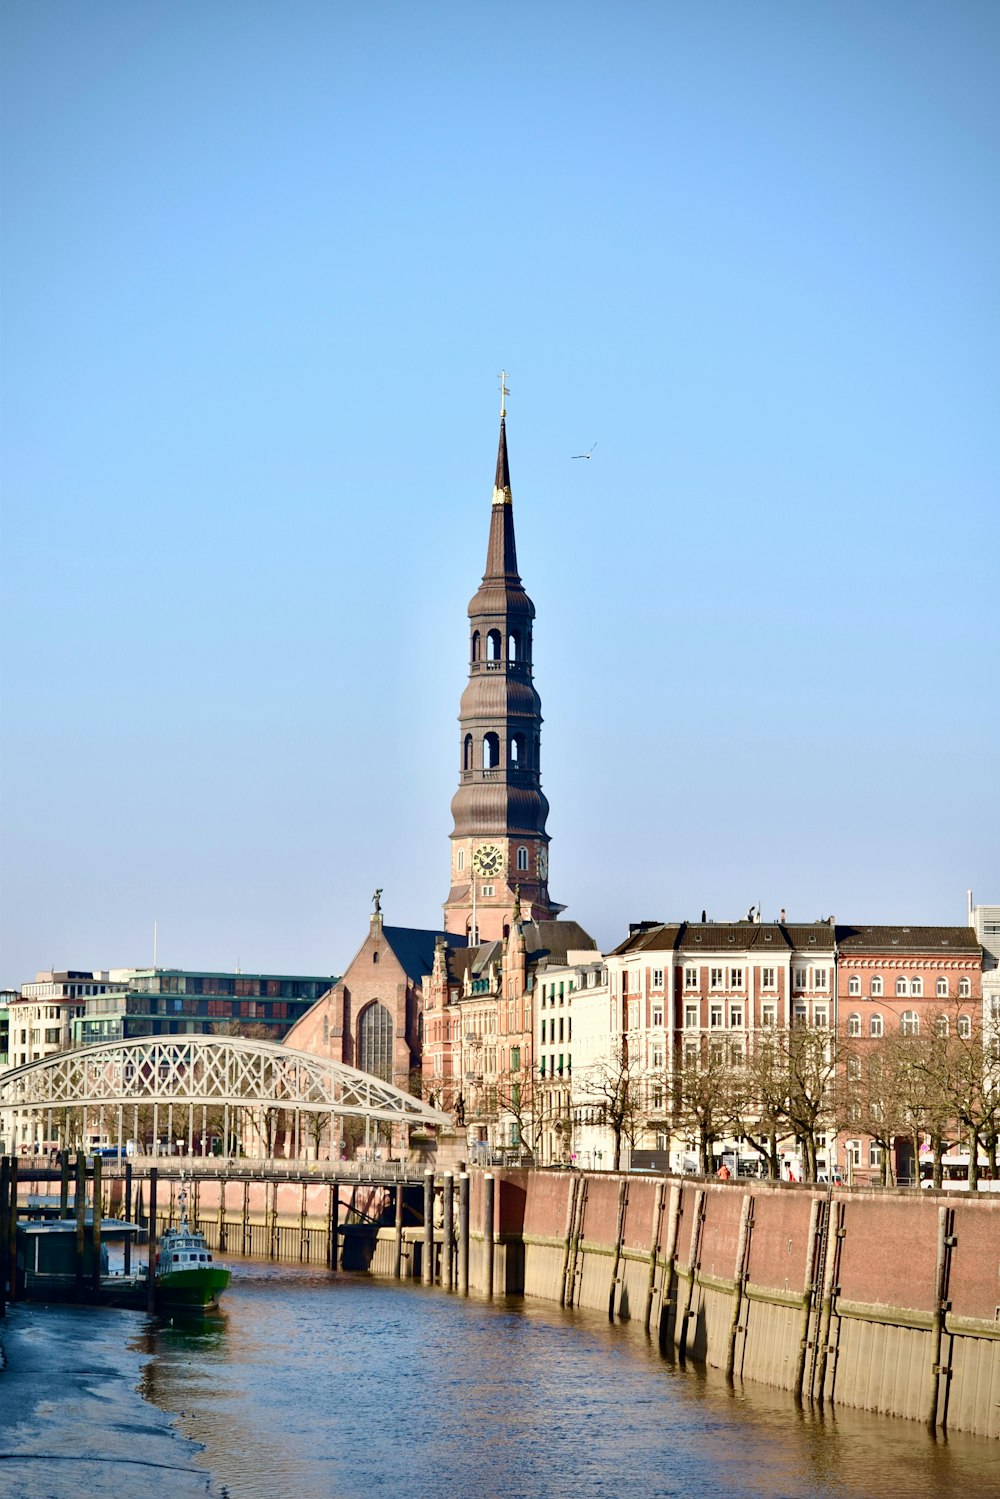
501	553
414	947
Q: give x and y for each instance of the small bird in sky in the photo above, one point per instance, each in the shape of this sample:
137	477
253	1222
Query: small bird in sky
583	455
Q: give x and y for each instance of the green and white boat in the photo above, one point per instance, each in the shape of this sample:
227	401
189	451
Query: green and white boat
186	1276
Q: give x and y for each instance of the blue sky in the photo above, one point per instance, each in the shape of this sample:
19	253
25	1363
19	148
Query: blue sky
260	268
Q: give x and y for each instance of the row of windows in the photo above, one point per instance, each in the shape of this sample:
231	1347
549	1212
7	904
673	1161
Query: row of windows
494	646
517	751
732	978
909	1023
913	986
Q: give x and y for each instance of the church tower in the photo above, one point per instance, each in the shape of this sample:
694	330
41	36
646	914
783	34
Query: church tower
499	846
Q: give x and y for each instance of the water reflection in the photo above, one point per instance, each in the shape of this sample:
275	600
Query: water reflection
318	1386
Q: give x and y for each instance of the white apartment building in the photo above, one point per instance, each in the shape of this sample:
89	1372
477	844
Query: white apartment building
40	1020
559	990
985	921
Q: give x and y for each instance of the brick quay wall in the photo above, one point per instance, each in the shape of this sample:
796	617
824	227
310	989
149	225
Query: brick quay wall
888	1301
885	1300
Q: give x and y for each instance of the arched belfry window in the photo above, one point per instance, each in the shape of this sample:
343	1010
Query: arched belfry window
522	857
475	645
467	753
491	751
494	646
513	646
516	756
375	1041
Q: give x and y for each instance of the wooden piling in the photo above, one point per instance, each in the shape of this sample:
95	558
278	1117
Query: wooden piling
64	1184
334	1237
12	1232
448	1248
740	1280
80	1210
427	1267
151	1239
489	1198
693	1266
937	1373
303	1256
654	1251
97	1212
397	1261
614	1286
4	1220
463	1234
128	1216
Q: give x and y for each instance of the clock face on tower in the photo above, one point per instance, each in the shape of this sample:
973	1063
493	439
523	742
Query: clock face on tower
488	859
542	863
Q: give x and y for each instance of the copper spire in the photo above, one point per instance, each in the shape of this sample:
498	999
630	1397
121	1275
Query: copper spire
501	556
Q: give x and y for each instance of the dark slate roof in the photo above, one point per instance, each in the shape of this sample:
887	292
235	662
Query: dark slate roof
414	947
650	936
728	936
460	961
852	939
553	940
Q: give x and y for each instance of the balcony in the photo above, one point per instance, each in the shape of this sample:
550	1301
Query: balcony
512	668
514	775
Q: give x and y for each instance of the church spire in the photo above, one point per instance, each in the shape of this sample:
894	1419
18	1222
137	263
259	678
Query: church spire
499	843
501	554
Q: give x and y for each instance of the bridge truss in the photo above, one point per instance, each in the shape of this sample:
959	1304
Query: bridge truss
250	1089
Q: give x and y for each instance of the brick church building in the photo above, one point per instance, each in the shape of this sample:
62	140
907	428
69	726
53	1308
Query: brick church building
449	1011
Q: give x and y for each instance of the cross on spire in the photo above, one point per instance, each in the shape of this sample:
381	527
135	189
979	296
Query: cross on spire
503	393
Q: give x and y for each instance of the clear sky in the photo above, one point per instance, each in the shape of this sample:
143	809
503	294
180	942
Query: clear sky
261	265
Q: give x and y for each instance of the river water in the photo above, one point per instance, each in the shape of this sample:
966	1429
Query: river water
310	1386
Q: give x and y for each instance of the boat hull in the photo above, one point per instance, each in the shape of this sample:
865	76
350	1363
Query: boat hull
200	1286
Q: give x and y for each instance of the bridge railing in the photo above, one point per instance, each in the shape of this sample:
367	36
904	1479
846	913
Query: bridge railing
242	1167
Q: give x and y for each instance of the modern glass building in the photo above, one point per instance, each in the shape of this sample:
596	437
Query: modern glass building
178	1002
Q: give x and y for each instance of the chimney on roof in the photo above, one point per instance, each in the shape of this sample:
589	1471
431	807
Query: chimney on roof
968	905
781	918
831	920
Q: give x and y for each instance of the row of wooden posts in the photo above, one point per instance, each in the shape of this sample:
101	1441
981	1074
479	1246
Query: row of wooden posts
80	1173
454	1260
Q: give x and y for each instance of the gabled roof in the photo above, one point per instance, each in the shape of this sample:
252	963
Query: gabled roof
460	961
414	947
924	939
649	937
553	940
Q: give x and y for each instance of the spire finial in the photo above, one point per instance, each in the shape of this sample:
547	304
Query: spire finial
503	393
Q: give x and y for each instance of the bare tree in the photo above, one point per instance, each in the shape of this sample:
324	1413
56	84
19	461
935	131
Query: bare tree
614	1085
701	1097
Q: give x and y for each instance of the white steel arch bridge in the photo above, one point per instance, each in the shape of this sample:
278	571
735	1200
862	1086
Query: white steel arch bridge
244	1092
